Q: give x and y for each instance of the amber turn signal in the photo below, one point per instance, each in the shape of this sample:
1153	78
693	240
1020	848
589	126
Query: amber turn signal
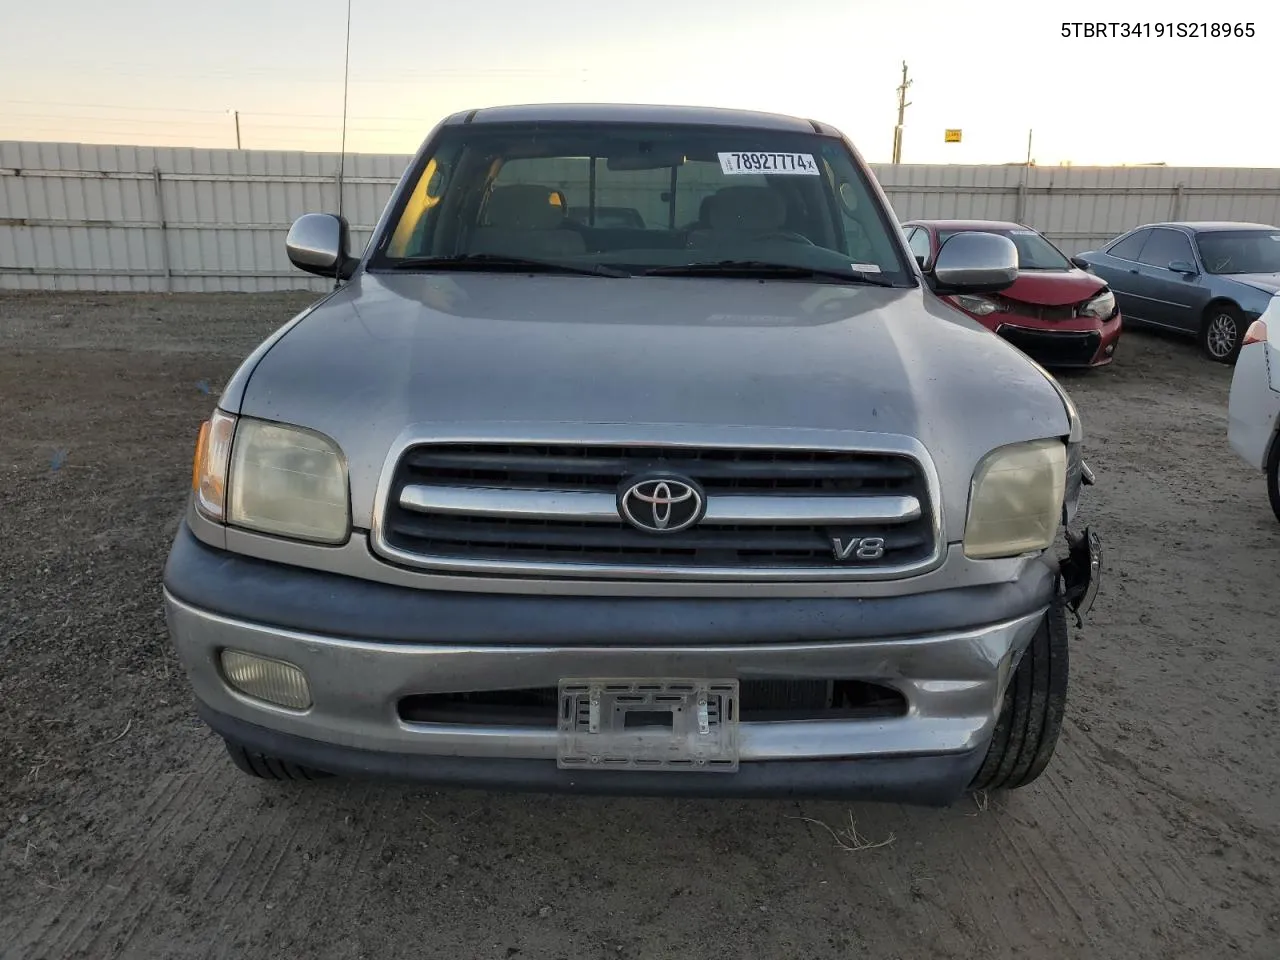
202	446
213	457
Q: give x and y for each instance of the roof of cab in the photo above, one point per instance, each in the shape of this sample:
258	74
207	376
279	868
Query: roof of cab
966	225
639	113
1212	226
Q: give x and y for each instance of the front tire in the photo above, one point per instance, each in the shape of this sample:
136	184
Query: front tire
1034	706
262	767
1222	333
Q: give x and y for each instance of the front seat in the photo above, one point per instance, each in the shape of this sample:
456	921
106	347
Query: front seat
738	213
526	220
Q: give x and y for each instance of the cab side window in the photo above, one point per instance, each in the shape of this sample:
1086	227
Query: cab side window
1166	246
1130	246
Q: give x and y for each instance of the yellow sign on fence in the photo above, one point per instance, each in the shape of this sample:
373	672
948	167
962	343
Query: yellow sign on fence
951	136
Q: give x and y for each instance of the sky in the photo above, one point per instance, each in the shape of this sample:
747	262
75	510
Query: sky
173	73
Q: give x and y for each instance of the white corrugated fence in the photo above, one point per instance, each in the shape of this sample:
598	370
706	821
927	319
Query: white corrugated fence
88	217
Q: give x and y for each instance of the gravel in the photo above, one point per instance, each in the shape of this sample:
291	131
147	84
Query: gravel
125	832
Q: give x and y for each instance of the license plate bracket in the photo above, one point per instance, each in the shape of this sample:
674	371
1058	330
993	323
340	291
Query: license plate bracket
662	724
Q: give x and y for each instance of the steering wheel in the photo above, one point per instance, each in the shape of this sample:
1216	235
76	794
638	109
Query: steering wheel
789	236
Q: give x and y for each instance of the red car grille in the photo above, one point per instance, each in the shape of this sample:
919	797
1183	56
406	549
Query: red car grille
1036	312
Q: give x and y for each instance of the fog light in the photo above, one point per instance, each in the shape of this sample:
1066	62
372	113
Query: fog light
1111	348
265	679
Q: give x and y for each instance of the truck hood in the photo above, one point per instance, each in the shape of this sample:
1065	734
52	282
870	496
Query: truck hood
501	355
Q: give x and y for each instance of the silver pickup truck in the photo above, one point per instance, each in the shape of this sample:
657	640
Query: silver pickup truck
715	494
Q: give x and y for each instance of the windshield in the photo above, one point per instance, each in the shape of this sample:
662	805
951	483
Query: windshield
1035	252
638	197
1240	251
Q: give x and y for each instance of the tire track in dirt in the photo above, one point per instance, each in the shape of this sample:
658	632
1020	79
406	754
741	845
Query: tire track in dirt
1074	855
1015	902
1125	831
162	871
947	867
1203	842
276	881
254	871
90	901
155	863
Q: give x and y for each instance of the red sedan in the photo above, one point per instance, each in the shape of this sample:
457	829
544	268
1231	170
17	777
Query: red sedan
1055	313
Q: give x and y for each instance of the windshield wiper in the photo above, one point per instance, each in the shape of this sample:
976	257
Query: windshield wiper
494	261
766	269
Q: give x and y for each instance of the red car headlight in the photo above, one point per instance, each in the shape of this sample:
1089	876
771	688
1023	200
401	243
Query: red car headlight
1102	306
979	306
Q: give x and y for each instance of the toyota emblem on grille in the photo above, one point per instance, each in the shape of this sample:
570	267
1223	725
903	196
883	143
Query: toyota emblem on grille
661	503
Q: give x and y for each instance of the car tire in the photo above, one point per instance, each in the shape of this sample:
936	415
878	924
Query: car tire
1222	332
262	767
1273	477
1034	706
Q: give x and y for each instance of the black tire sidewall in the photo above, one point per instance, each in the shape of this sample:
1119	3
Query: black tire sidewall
1032	710
1273	476
262	767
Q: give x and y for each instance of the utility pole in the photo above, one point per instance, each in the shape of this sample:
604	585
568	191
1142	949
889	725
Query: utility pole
237	113
902	109
1029	132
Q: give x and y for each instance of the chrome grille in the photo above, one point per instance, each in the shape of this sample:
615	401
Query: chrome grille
523	509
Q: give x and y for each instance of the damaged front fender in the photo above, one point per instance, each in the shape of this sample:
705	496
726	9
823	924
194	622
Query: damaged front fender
1081	572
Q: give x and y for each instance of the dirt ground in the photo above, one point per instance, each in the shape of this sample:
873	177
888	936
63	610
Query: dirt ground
125	832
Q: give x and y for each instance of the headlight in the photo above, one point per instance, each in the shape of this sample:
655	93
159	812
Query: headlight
288	481
1015	502
981	306
1075	448
1102	306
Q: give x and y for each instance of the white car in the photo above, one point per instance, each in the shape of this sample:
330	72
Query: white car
1253	410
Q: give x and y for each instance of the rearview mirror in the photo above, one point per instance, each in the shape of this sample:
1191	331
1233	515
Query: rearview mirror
320	243
1183	267
650	160
848	195
975	263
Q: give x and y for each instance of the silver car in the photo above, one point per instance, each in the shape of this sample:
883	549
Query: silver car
717	496
1253	405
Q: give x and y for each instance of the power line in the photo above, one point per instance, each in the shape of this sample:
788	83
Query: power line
107	106
209	112
292	77
46	119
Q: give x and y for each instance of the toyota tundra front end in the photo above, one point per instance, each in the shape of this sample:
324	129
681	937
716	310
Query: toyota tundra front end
725	503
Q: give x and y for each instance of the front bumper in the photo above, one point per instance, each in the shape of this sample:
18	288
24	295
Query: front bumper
953	680
1064	345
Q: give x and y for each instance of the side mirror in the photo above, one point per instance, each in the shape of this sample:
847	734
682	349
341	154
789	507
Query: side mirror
1080	263
975	263
320	243
1183	267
